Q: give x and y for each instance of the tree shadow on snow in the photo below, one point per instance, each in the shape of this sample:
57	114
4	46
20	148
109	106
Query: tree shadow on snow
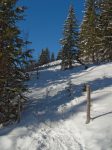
50	77
48	109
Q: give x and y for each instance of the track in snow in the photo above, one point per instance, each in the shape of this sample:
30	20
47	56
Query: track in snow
53	138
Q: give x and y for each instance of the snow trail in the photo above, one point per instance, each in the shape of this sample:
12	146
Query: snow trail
53	138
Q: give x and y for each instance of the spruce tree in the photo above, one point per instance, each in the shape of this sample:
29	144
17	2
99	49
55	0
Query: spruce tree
44	57
41	60
59	55
11	59
88	33
47	55
105	29
52	57
70	40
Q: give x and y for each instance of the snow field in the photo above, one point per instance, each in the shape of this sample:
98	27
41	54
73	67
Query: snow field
53	120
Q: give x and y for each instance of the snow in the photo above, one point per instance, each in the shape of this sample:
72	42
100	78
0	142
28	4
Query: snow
54	120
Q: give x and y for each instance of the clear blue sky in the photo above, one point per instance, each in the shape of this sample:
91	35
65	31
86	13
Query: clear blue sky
45	19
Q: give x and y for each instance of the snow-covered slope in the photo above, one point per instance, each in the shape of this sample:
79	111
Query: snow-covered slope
54	120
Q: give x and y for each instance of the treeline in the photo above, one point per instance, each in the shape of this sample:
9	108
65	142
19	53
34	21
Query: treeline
92	41
95	37
46	57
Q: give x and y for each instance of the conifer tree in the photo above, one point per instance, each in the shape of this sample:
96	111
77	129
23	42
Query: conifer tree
52	57
88	34
105	29
70	40
47	55
44	57
11	59
59	55
41	60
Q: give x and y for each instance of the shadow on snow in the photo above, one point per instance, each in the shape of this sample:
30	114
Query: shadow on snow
40	111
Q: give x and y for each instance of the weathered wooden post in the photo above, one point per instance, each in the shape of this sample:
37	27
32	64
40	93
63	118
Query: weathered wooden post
88	89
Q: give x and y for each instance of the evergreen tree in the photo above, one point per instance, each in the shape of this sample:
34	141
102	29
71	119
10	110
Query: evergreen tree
52	57
59	55
88	34
47	55
105	29
70	40
96	31
11	59
44	57
41	60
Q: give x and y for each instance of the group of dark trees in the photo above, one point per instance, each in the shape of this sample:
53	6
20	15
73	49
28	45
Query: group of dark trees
96	31
13	58
45	57
92	42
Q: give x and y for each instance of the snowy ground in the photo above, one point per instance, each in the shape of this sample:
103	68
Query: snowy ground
53	120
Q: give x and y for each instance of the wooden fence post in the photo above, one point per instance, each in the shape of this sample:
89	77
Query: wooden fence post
88	103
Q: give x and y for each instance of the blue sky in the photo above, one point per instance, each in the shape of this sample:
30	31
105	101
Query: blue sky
44	22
